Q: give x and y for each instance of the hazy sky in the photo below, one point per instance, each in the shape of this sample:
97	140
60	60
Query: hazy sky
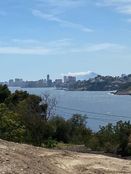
60	36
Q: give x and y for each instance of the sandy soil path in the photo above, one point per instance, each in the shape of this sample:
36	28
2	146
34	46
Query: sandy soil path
25	159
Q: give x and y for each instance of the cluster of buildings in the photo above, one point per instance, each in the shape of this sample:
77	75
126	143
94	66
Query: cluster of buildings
48	82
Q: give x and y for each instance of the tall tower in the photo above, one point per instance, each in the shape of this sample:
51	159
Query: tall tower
49	81
48	78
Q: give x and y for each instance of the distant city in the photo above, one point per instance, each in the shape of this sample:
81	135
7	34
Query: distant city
46	82
90	81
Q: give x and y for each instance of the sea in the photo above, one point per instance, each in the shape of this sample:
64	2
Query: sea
100	108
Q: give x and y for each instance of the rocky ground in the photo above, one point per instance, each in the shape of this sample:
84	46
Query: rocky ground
25	159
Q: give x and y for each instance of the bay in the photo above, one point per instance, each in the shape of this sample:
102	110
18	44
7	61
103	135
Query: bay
101	108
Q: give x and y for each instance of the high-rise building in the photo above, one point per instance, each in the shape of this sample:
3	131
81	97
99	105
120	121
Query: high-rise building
11	82
18	82
49	81
65	79
69	79
58	82
48	77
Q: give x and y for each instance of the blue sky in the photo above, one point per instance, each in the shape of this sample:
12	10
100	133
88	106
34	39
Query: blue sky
61	36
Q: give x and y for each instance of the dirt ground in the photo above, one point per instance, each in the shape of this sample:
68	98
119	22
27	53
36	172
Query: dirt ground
25	159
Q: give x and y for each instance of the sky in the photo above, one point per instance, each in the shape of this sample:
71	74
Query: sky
39	37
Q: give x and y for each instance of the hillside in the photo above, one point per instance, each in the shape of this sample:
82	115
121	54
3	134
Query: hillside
102	83
124	92
25	159
124	89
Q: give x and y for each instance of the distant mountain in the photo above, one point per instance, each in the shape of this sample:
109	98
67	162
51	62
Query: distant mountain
86	76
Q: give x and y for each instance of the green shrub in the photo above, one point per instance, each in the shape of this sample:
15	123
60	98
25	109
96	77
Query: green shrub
93	143
50	143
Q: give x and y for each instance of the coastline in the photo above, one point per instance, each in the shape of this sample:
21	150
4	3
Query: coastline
122	93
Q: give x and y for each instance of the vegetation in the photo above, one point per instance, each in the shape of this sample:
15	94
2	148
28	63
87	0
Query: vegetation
102	83
29	119
112	139
124	89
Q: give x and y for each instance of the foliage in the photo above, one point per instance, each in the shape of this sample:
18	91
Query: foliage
60	129
103	83
93	143
112	138
13	99
29	119
4	93
30	112
50	104
11	127
79	133
50	143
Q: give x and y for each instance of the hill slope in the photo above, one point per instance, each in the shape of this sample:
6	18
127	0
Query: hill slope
126	90
25	159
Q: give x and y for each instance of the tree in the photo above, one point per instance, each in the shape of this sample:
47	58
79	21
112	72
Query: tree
60	129
11	127
79	133
50	104
13	100
113	138
30	111
123	132
78	120
107	136
4	93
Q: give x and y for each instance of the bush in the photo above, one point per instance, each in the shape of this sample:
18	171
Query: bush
60	129
78	131
11	127
25	118
109	147
93	143
4	93
50	143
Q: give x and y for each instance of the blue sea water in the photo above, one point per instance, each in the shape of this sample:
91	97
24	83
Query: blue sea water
93	104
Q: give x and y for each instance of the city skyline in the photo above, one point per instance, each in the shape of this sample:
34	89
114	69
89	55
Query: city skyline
45	78
77	75
44	82
62	36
